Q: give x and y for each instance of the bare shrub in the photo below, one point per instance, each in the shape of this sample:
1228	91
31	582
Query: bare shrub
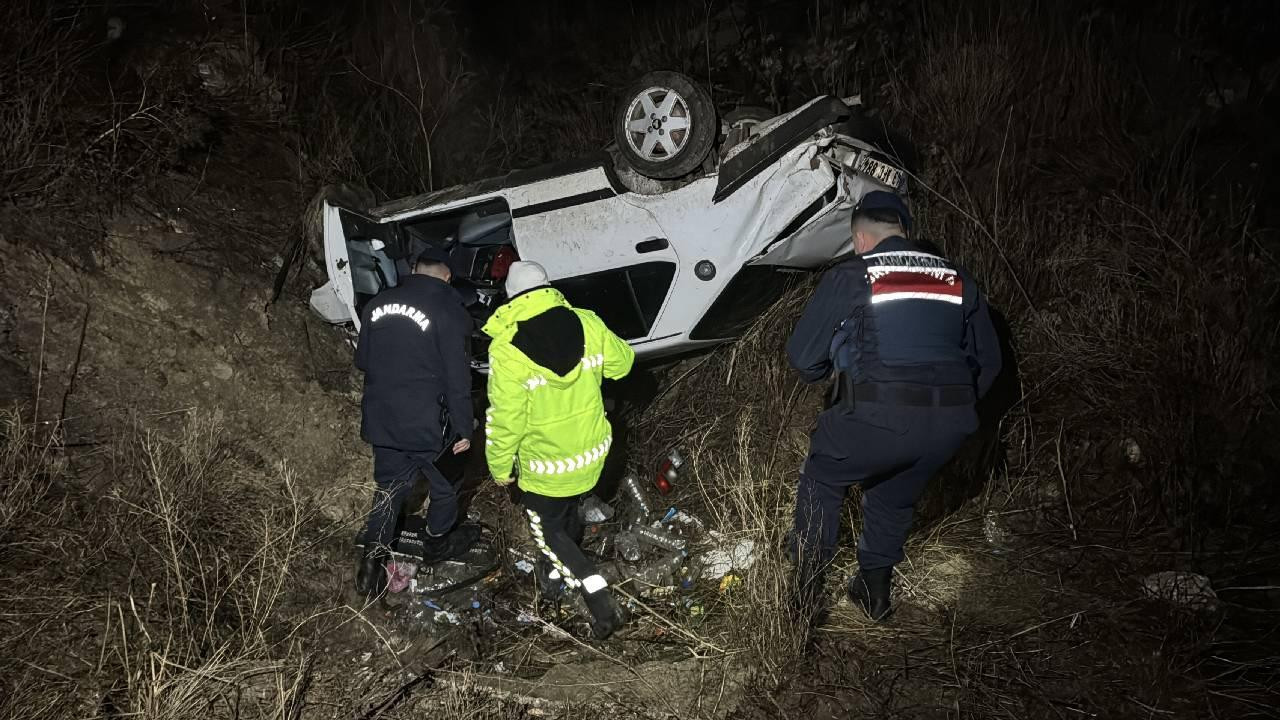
1125	289
414	77
37	66
544	125
172	587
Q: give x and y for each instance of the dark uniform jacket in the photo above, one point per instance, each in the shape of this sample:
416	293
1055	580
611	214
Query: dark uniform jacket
414	351
909	316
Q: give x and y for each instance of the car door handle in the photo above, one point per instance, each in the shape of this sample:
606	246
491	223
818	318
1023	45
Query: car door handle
652	245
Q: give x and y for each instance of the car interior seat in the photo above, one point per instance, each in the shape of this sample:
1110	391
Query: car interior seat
371	270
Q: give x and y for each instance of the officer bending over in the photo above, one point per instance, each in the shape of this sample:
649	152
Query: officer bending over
413	349
546	416
912	346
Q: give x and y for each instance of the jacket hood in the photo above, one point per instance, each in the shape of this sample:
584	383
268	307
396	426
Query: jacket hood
504	325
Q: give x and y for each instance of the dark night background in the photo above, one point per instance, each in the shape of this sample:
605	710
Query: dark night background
181	459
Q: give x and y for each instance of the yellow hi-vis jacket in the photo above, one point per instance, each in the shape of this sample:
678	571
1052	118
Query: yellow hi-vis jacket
552	425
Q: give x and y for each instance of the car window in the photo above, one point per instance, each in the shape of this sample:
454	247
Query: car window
627	299
752	291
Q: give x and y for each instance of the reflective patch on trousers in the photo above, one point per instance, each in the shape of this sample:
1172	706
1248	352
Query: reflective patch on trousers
594	583
535	525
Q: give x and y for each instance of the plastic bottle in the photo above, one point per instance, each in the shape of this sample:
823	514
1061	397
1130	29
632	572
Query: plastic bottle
593	511
661	572
627	545
639	498
680	517
660	538
690	573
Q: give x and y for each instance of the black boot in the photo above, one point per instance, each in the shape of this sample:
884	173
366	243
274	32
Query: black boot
870	590
606	617
371	573
451	545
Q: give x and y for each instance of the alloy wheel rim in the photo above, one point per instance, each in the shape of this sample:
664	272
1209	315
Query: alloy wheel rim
658	124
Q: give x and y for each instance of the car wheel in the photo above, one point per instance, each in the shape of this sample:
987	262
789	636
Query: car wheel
665	125
739	124
746	117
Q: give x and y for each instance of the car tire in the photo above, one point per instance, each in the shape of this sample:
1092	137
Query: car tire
738	125
670	144
746	116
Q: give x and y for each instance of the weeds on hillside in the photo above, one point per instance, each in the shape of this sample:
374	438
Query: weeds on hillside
28	466
1128	292
161	593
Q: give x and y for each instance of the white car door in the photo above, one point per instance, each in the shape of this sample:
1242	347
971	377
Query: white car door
604	250
356	263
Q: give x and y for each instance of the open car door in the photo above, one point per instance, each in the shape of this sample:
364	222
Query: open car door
358	260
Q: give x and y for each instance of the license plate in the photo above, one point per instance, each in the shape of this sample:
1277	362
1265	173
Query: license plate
881	172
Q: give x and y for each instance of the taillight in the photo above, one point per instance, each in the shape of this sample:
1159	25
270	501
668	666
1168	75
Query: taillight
668	471
502	260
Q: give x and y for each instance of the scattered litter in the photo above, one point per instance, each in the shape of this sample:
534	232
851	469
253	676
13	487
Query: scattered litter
728	582
660	538
727	557
668	471
524	566
468	569
627	545
680	517
400	575
1181	588
1132	451
593	510
611	573
639	499
658	574
689	574
997	536
526	618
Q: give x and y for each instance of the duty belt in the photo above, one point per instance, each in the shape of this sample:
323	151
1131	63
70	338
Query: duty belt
914	395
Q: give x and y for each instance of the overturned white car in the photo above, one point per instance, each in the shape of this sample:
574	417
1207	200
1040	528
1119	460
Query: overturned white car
676	246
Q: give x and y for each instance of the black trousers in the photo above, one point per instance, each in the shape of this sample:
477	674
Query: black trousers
557	530
892	452
396	472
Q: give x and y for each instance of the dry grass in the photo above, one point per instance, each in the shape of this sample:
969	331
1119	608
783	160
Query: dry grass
154	576
740	417
1127	291
1126	288
28	468
160	592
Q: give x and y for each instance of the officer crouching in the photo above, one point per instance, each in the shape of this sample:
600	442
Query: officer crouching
414	351
910	341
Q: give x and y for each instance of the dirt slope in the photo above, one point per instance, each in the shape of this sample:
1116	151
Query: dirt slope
160	330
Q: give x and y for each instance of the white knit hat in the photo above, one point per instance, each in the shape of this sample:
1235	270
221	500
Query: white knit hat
525	275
